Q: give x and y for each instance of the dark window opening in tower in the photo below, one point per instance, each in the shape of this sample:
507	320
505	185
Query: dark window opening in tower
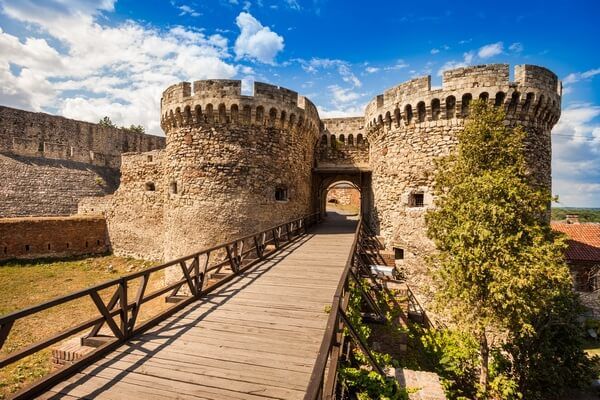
417	200
281	194
398	253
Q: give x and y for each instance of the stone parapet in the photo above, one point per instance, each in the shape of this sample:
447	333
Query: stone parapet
533	98
220	102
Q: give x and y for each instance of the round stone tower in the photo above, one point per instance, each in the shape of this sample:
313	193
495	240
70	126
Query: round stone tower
234	164
410	125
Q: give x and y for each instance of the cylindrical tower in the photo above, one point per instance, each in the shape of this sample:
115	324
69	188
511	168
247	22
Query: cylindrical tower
234	164
410	125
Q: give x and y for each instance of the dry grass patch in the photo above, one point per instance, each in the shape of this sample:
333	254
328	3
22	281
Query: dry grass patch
25	284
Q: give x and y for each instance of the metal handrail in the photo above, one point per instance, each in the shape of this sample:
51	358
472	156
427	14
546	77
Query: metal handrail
239	254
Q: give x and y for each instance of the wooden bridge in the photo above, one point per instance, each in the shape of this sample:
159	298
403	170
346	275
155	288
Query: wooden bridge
271	329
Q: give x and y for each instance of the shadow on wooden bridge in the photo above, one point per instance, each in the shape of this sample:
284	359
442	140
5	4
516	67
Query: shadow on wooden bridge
257	336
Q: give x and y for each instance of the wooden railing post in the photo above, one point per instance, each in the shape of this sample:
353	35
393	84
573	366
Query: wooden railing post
197	281
124	313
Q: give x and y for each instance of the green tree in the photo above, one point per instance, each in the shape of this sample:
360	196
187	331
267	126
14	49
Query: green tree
135	128
106	122
500	268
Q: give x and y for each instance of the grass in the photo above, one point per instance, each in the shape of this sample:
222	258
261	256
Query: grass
26	283
585	214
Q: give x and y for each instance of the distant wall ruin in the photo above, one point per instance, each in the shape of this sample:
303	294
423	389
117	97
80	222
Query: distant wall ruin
52	237
48	163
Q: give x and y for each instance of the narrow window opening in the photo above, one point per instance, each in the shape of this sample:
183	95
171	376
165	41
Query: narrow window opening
49	246
281	194
97	243
173	187
450	107
499	100
86	243
5	250
398	253
68	245
41	147
417	200
435	109
150	187
27	247
421	111
149	158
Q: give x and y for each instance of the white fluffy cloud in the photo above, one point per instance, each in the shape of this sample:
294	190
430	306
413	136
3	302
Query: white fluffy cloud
256	41
516	47
341	95
576	156
72	64
343	68
490	50
466	60
579	76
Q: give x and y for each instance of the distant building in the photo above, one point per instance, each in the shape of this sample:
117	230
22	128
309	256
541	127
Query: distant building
583	253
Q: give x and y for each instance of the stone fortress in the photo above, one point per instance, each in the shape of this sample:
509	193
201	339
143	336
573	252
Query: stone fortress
235	164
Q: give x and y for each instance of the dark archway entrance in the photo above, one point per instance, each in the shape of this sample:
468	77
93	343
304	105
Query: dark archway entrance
326	178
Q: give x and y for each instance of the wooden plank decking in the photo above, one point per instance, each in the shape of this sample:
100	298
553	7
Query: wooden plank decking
256	337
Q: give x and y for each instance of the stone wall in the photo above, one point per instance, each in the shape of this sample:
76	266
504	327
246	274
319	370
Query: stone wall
48	163
42	135
30	237
34	186
344	196
240	163
343	143
410	125
134	214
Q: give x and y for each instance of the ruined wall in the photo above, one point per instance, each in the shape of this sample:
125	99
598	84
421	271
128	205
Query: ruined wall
42	187
48	136
410	125
343	143
135	214
344	196
29	238
239	163
48	163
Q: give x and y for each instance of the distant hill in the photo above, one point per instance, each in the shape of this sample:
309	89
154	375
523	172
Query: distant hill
585	214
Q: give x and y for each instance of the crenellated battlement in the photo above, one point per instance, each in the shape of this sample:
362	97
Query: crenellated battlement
533	98
220	101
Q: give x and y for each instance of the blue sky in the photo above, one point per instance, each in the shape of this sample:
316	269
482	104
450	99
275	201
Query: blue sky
88	58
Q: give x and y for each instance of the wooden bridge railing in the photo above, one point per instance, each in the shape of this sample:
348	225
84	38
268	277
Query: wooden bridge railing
120	314
339	331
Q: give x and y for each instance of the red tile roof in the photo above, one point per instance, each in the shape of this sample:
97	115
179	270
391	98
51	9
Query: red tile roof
584	240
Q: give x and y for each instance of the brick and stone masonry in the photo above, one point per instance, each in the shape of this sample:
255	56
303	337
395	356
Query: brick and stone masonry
410	125
37	237
234	164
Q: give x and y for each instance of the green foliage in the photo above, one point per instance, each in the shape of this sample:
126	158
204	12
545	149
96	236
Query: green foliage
370	385
135	128
453	356
357	376
551	359
500	269
106	122
585	214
